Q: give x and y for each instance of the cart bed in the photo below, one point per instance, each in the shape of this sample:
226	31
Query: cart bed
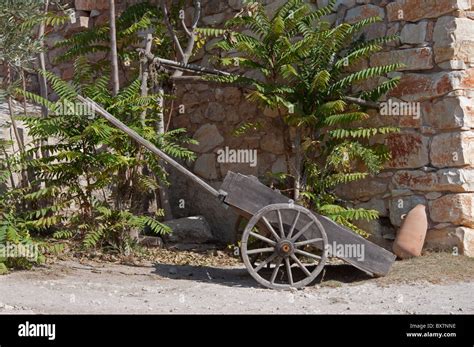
247	195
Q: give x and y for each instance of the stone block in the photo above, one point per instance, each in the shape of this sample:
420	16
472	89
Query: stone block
189	230
456	180
409	150
208	137
421	87
413	59
272	143
414	34
205	166
449	113
363	189
415	10
452	149
362	12
454	40
457	209
401	205
89	5
458	240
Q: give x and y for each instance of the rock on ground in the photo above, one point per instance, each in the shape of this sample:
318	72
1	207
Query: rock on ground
194	229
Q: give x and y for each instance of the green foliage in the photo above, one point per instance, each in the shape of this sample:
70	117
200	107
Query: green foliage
95	183
307	69
18	19
136	18
17	250
16	45
89	178
246	127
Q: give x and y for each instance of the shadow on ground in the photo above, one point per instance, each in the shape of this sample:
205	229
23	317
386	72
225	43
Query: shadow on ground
342	273
239	277
232	277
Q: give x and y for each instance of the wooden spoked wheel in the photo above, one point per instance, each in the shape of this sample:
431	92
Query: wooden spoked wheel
284	246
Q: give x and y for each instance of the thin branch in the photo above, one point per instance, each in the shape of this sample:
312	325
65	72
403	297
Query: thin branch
198	79
170	115
189	33
192	36
113	48
145	73
170	29
210	71
190	67
197	14
192	39
361	102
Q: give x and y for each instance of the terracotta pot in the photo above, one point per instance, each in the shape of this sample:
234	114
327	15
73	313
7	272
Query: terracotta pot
411	236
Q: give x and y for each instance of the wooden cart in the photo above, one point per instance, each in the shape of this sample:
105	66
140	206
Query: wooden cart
283	245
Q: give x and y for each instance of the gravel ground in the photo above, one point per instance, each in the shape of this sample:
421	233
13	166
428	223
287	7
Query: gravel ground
73	287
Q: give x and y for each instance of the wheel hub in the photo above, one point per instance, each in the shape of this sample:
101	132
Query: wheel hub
285	248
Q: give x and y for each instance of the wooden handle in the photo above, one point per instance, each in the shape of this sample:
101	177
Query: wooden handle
147	144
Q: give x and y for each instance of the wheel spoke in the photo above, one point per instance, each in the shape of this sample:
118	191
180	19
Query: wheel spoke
284	246
307	242
280	224
265	262
302	231
261	250
269	227
294	225
275	272
297	261
307	254
288	270
263	238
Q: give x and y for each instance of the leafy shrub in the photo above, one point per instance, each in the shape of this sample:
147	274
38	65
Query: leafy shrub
307	70
95	184
17	249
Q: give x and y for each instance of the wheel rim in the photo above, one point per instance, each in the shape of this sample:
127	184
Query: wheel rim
291	239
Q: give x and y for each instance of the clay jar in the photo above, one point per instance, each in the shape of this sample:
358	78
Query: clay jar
411	236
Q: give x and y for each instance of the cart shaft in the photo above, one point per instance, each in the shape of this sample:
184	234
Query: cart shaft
147	144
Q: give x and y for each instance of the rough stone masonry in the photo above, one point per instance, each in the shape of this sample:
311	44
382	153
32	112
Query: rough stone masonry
433	154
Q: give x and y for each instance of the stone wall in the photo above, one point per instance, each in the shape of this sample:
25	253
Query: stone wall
433	154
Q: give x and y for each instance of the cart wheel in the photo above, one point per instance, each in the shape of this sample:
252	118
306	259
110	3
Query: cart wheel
295	246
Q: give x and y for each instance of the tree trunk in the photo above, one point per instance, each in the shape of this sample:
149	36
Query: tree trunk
16	131
122	191
43	83
163	190
19	139
138	199
145	73
298	165
9	168
30	173
113	49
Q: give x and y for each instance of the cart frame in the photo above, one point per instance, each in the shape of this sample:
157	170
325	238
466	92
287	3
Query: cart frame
269	211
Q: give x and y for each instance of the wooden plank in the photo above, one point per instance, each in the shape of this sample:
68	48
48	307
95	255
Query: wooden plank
376	260
248	193
248	196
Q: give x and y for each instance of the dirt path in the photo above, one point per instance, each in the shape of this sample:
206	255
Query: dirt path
71	287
